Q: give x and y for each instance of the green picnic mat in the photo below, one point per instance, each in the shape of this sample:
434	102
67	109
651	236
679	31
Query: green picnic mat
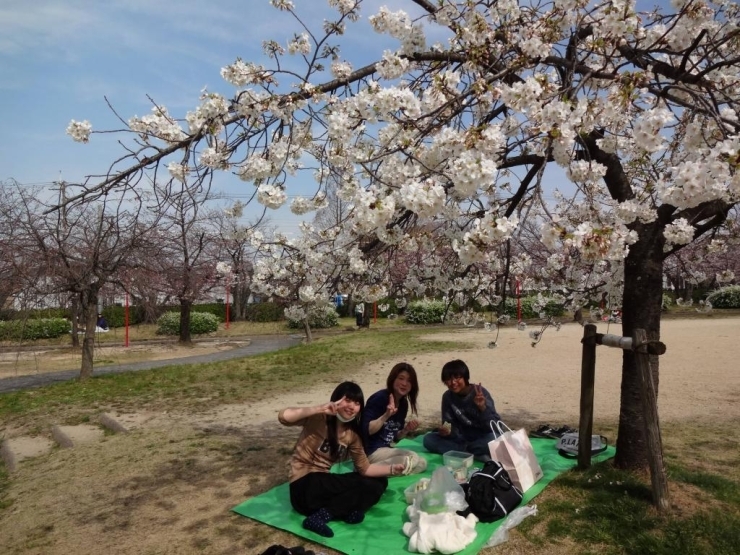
381	533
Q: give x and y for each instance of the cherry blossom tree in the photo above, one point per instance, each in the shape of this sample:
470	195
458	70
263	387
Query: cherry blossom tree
184	249
470	115
235	237
75	250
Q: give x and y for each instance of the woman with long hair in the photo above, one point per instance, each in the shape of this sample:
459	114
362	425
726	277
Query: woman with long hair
384	420
331	433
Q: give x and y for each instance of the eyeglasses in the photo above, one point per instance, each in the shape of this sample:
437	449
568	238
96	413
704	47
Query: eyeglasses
454	378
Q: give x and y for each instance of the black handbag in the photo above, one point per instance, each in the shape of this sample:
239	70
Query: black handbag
490	493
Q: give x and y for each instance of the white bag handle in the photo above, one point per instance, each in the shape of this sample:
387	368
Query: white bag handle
499	428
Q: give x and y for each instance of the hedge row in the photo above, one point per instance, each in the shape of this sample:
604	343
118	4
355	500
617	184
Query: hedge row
29	330
529	310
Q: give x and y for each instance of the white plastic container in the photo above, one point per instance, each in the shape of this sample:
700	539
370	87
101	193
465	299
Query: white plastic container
414	489
458	463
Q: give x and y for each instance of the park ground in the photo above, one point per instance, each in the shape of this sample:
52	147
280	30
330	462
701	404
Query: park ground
167	485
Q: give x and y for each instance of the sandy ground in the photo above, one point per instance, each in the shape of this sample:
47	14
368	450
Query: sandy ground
43	360
167	486
699	377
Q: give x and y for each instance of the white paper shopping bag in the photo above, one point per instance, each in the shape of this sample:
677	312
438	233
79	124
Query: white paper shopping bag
514	451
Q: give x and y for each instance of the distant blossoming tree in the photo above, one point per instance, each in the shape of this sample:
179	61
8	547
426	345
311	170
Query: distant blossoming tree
454	143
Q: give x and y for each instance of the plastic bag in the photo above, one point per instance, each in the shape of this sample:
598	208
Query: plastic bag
515	517
443	494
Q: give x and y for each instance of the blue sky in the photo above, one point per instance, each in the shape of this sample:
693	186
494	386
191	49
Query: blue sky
60	59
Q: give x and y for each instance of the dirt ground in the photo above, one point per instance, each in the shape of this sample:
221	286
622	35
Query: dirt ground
167	486
45	359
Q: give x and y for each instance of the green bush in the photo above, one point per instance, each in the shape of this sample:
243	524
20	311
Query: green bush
217	309
726	297
666	302
425	312
529	311
200	322
265	312
321	318
116	315
29	330
35	314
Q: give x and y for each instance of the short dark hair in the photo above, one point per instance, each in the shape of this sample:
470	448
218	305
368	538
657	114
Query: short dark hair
414	393
456	369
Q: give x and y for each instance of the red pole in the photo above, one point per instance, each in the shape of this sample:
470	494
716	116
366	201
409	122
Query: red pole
125	321
227	304
518	301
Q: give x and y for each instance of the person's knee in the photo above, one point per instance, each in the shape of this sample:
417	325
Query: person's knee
375	487
420	465
430	442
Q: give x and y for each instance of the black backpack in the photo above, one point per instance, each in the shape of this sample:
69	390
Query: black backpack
490	493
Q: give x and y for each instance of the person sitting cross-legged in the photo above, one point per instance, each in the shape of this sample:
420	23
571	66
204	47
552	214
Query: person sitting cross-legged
384	420
467	412
331	433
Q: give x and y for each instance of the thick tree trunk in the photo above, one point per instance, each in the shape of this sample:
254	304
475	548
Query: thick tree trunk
185	337
643	291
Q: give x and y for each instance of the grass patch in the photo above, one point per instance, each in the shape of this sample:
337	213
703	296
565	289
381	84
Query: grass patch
201	385
609	511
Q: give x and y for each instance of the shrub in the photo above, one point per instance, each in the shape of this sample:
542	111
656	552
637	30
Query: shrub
321	318
265	312
425	312
217	309
116	315
200	322
726	297
29	330
531	309
666	302
35	314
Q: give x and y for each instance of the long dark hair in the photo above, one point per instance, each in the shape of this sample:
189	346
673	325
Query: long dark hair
411	395
352	392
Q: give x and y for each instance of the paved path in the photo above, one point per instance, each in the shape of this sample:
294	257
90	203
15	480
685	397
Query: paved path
258	345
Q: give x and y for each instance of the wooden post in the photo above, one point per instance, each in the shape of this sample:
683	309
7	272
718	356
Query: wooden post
588	373
650	415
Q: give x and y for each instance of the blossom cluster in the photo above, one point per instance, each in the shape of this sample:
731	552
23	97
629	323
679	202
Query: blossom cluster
79	130
159	124
440	153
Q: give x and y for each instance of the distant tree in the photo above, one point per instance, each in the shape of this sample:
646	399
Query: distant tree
184	250
76	249
240	247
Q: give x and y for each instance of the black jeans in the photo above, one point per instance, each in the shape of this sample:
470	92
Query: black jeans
340	494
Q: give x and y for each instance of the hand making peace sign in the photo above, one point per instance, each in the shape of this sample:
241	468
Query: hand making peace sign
332	407
391	409
479	399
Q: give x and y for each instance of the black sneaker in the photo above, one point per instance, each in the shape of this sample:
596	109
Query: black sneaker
558	432
544	431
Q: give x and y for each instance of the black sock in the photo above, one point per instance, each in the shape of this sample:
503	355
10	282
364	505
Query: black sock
317	522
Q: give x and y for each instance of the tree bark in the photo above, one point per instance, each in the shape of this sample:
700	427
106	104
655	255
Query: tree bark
75	323
185	337
643	291
307	329
89	308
